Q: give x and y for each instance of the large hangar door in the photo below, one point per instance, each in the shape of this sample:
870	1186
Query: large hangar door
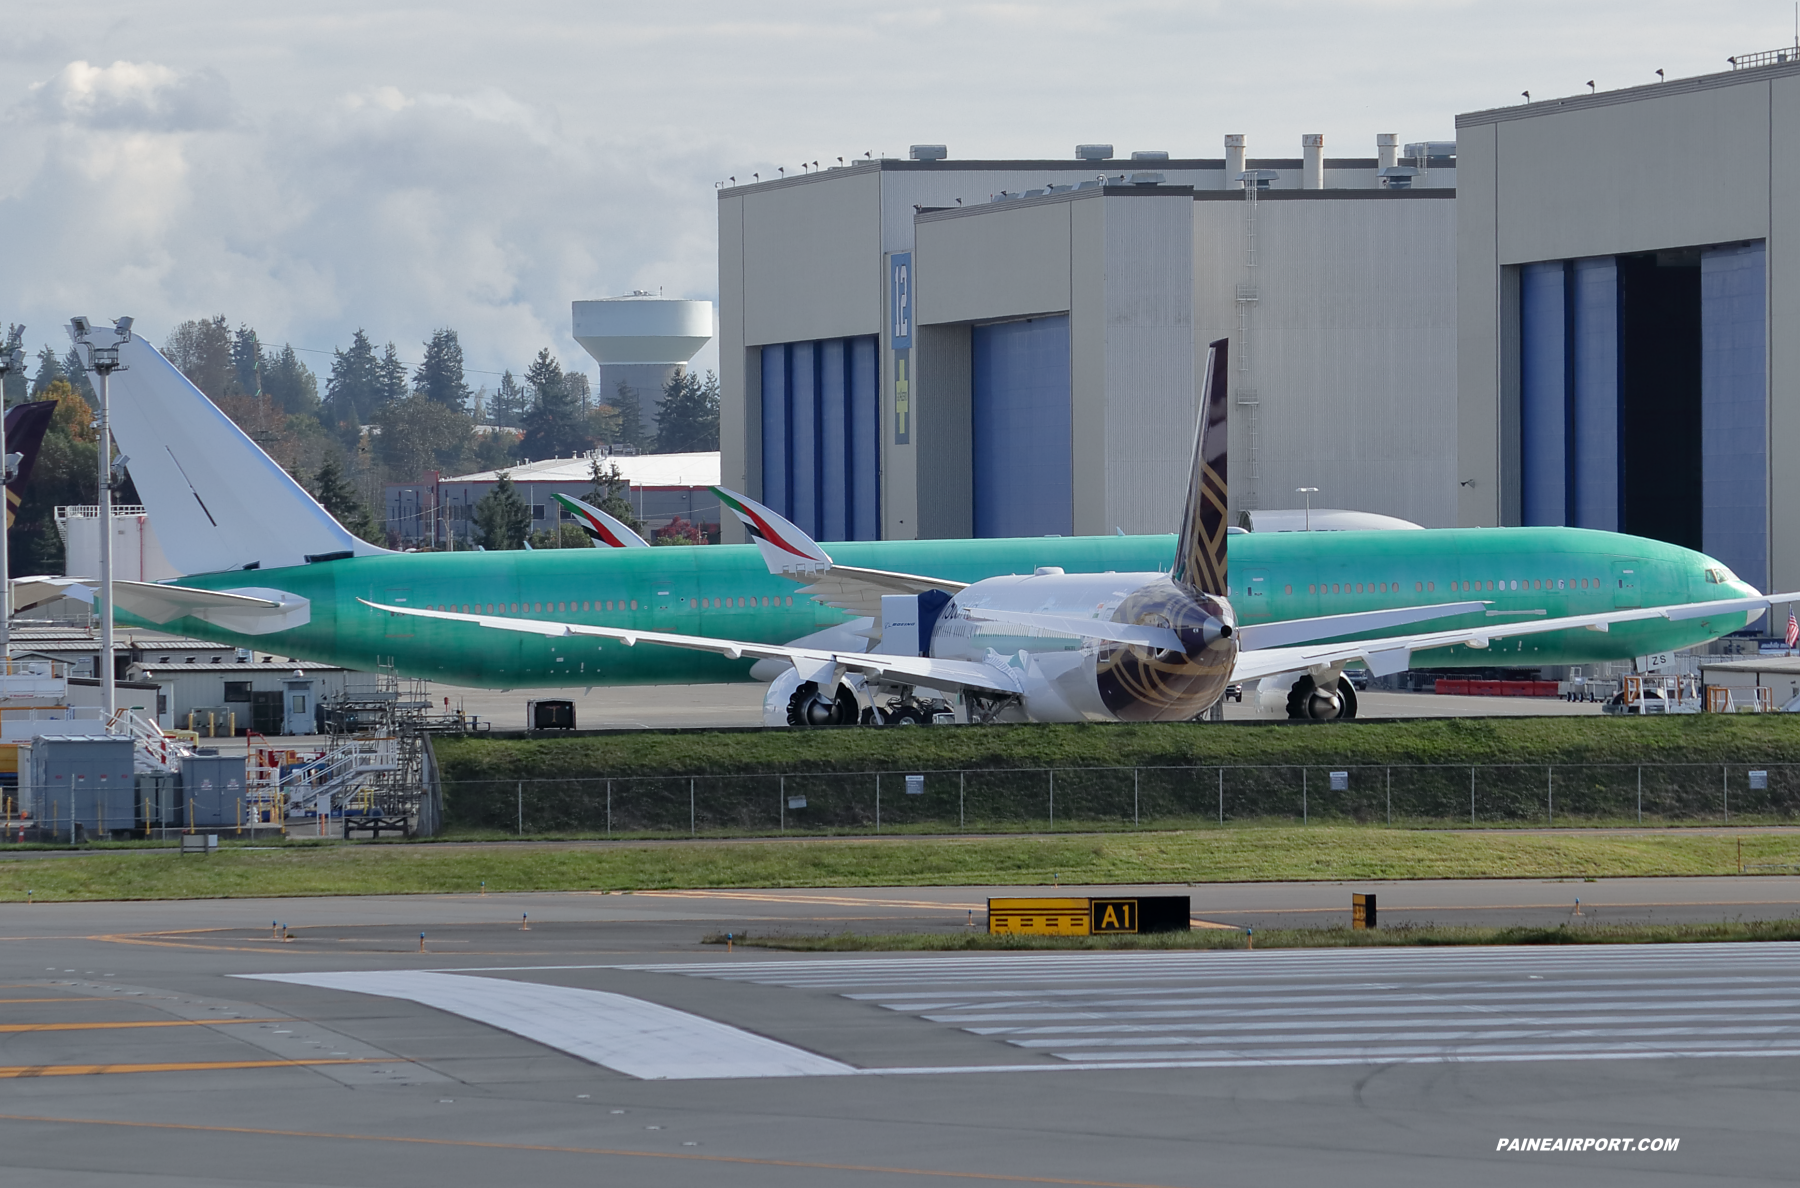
1021	423
821	444
1734	409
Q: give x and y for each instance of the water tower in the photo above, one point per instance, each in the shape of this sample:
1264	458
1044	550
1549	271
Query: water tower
641	342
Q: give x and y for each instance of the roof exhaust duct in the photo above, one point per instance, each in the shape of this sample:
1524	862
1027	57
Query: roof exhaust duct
1312	161
929	152
1093	152
1234	154
1387	150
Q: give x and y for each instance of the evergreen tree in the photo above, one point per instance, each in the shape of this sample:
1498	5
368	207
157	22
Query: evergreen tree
338	496
689	418
290	383
50	369
391	373
579	390
502	517
631	418
354	388
509	403
75	368
64	474
555	425
610	491
15	382
419	434
247	360
201	350
440	377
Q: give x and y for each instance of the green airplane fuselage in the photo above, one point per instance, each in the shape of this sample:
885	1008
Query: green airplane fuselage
726	591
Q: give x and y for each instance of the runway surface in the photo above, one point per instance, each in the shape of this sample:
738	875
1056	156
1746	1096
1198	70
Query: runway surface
586	1038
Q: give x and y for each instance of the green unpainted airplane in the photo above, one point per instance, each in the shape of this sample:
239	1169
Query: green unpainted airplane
268	568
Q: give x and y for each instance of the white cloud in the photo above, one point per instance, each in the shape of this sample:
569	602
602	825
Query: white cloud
133	96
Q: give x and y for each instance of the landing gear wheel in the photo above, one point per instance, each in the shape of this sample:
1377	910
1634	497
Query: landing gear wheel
907	715
1308	703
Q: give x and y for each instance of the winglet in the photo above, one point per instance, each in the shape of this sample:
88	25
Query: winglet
25	426
784	547
602	529
1200	549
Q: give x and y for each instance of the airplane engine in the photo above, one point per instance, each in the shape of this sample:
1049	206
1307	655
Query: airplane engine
1139	684
1308	701
809	705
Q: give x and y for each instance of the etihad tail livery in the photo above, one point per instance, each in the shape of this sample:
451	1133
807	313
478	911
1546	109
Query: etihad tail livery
268	568
1153	645
26	425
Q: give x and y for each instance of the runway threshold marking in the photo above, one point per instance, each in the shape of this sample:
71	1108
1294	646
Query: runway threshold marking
26	1071
545	1148
108	1026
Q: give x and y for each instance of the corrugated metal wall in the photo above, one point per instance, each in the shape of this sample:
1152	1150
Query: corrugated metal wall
821	412
1021	425
1593	497
1543	391
1734	408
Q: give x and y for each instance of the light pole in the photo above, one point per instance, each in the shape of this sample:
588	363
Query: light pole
12	362
103	360
1309	492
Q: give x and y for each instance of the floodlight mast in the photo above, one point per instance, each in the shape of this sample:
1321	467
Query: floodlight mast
103	360
12	362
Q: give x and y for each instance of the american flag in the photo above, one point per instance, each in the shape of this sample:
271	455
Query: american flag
1793	631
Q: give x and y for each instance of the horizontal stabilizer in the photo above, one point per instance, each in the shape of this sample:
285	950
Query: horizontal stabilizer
248	611
1141	634
604	530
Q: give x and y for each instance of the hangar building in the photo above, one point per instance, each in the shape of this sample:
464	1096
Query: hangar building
1623	268
933	348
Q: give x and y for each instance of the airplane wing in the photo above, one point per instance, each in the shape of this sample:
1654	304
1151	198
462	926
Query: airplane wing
813	664
792	554
1394	653
604	530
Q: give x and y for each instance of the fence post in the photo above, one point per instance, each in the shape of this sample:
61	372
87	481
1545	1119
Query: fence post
1725	786
1550	791
1390	795
961	790
521	791
1471	796
877	802
1221	796
1053	798
1303	816
1134	797
1640	794
693	828
609	808
781	798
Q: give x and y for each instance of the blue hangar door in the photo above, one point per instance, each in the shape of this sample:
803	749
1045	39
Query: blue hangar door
821	436
1021	424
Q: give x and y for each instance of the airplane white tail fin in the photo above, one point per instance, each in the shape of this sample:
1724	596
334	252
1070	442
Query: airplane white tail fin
218	501
784	547
604	530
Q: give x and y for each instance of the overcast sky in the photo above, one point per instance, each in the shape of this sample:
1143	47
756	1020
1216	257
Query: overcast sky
311	168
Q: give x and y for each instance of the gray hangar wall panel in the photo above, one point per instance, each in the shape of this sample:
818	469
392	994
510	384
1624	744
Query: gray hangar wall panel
994	264
812	261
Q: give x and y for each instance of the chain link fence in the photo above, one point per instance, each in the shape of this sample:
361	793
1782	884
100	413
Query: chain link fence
1086	799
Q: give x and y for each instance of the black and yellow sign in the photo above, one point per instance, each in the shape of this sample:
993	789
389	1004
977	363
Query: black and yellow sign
1088	917
1362	911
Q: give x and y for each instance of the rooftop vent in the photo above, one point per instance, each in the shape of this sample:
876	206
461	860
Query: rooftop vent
1149	155
1093	152
1397	177
1432	150
1147	179
929	152
1260	178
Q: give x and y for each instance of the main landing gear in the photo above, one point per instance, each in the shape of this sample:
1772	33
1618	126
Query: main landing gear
1308	702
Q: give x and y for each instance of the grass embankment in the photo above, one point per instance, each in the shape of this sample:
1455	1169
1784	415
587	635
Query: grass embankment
1284	938
1702	738
1229	855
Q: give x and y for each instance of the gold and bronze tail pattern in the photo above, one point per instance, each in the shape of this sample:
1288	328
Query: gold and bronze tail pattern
1200	549
25	426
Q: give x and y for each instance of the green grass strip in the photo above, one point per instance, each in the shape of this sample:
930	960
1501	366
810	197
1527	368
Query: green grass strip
1231	855
1405	935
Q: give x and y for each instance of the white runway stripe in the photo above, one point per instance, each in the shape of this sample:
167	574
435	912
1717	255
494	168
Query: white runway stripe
638	1038
1230	1009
